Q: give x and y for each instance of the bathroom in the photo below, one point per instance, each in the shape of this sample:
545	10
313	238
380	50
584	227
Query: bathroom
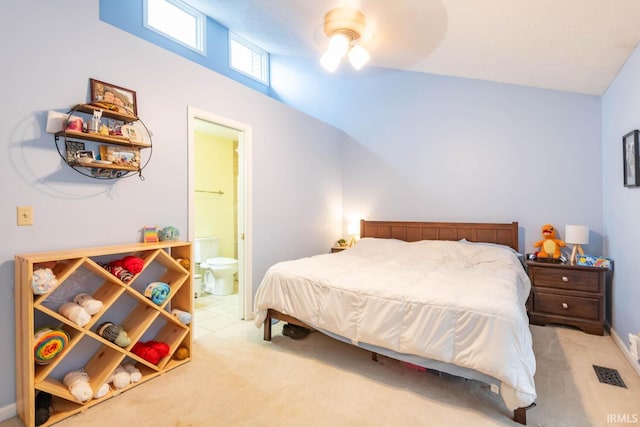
215	197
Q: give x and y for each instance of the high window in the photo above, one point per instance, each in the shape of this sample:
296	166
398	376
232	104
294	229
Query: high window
248	58
177	21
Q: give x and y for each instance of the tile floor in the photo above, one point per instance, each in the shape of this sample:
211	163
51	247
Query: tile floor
213	313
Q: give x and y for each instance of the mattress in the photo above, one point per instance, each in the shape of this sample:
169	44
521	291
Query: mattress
455	302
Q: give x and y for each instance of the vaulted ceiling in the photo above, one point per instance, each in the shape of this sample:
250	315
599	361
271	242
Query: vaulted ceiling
569	45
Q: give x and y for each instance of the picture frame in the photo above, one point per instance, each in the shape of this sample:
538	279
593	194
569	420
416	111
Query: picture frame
118	155
630	159
72	148
131	132
112	97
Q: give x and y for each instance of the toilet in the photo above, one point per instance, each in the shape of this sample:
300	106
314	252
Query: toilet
218	272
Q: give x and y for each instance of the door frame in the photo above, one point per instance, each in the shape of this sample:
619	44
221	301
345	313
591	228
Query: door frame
245	283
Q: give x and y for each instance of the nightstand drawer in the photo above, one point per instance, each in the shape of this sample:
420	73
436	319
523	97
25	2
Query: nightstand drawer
573	306
578	280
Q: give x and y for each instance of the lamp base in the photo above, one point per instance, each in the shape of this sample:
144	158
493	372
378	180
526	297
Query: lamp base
576	249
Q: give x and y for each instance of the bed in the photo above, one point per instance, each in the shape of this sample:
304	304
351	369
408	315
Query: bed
445	296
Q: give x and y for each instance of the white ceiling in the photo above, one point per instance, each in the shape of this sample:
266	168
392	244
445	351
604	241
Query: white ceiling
570	45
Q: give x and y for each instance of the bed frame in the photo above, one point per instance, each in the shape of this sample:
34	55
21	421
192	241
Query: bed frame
411	231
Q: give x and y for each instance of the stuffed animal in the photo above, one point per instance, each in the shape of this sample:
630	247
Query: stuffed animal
114	333
550	245
78	384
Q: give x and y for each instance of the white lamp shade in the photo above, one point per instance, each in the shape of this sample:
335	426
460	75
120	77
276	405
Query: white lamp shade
358	56
576	234
353	228
330	62
338	45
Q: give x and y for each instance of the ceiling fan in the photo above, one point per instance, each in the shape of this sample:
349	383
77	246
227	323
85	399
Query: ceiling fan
345	27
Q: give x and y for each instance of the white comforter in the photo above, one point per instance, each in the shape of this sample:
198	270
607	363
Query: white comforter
456	302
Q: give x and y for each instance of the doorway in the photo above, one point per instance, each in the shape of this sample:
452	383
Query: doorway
218	202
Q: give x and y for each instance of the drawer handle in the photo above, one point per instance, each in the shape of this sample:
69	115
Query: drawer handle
565	279
565	305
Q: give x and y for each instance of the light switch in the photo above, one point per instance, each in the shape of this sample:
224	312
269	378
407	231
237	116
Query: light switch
25	215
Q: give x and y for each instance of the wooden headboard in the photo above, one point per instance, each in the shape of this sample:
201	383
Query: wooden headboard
411	231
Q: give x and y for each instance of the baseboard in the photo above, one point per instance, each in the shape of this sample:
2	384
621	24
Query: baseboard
625	350
8	411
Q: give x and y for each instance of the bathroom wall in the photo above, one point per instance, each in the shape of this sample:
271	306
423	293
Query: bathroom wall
215	215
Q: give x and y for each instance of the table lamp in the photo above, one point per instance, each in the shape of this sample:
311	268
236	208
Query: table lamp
576	235
353	230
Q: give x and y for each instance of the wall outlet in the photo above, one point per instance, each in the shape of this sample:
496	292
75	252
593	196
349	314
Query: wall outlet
634	346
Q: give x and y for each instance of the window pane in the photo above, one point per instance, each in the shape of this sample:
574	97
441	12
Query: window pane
248	59
177	21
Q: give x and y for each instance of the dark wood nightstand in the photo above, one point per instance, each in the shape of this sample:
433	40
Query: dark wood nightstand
567	294
335	249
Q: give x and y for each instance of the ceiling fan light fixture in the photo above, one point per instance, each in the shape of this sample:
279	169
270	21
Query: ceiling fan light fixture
330	62
344	27
338	45
358	56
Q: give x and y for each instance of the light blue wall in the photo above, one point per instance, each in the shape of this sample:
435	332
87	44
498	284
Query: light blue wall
620	115
427	147
128	15
51	49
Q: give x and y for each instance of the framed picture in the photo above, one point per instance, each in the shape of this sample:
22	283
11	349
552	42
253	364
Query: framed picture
72	148
630	159
113	97
131	132
118	155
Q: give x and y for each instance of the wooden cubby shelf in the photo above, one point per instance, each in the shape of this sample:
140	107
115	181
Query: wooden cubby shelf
81	271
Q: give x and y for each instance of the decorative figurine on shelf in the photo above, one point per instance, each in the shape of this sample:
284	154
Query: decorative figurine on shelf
341	243
550	245
169	233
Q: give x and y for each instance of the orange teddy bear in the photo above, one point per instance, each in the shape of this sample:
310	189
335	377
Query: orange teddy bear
550	246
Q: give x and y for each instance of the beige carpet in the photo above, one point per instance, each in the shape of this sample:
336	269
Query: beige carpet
237	379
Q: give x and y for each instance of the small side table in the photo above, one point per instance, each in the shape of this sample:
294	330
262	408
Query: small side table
567	294
335	249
